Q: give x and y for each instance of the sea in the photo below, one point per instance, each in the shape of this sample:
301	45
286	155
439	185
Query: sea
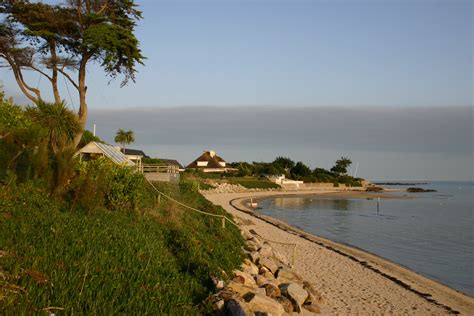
430	233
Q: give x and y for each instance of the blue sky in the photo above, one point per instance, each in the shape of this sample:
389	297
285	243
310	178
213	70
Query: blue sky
297	53
388	83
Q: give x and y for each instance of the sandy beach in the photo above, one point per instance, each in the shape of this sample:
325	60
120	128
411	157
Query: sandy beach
351	281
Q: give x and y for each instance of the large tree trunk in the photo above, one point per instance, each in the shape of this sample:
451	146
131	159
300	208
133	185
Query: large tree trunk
54	78
82	114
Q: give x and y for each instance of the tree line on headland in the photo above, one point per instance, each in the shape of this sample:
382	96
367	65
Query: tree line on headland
299	171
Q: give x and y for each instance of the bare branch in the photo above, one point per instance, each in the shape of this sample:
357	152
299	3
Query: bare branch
69	78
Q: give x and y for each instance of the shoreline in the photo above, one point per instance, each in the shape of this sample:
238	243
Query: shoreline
340	263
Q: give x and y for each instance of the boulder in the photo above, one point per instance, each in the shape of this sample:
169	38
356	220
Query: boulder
266	250
286	303
313	308
234	307
245	277
280	257
286	275
254	256
314	296
264	304
241	289
246	234
271	290
295	293
249	267
252	246
268	263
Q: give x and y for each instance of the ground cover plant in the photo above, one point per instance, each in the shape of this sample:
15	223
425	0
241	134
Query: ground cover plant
107	262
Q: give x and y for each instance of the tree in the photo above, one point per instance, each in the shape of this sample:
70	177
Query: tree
61	123
61	39
124	137
88	137
283	163
341	165
300	171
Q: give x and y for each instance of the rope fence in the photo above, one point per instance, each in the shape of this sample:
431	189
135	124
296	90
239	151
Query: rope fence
224	219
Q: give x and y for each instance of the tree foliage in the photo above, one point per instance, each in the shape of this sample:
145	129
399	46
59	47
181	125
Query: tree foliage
124	137
341	165
61	39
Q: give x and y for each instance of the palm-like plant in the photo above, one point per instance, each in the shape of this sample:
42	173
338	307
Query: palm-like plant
124	137
60	122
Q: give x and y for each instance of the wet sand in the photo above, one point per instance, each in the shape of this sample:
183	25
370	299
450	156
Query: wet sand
351	280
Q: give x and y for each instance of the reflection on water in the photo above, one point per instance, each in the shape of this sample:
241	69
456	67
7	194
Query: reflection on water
298	202
431	234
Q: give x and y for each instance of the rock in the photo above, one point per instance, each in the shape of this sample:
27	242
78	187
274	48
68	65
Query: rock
261	291
234	307
286	303
254	256
295	293
268	263
261	280
241	289
218	306
271	290
280	257
247	278
286	275
249	267
218	284
314	296
266	250
313	308
252	246
265	304
246	234
416	190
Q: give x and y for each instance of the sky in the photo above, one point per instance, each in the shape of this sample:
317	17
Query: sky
387	83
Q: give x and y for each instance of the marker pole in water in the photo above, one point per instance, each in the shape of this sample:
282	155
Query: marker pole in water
378	205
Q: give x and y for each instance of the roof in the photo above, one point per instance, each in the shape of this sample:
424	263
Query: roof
135	152
109	151
171	162
212	162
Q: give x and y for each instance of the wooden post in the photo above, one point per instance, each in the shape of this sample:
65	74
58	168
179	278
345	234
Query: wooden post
159	198
378	205
223	222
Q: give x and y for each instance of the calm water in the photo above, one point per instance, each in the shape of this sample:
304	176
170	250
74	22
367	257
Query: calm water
432	234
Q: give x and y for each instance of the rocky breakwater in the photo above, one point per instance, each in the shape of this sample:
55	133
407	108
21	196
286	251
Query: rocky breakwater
225	187
265	285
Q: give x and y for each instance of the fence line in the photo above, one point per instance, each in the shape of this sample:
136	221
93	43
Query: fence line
224	218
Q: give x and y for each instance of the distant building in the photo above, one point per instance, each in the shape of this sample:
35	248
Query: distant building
134	155
210	162
172	162
95	150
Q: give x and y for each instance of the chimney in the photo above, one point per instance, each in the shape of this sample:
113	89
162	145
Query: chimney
212	153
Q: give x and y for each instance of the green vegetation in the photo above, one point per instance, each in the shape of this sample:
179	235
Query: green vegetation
298	171
124	137
155	261
254	183
59	40
93	237
88	137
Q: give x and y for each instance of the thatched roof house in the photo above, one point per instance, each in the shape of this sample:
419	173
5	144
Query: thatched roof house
209	162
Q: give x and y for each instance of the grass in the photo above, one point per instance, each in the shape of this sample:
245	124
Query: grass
247	182
102	262
255	183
